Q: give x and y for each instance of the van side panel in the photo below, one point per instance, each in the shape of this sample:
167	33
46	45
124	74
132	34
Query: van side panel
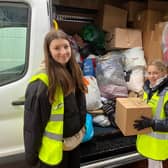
29	51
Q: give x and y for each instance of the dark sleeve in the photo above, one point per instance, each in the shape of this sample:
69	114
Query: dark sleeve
82	106
36	114
162	125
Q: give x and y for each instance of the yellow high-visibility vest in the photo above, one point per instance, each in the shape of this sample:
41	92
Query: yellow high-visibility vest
51	149
154	145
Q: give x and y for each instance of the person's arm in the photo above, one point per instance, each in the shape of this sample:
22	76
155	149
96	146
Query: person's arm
162	125
35	118
157	125
81	99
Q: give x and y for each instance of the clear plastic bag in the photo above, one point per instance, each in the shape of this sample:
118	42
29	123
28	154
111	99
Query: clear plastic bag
109	69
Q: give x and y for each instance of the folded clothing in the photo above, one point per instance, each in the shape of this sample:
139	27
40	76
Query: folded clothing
101	120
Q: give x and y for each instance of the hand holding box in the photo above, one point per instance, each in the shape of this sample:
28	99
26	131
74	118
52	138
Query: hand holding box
128	110
144	122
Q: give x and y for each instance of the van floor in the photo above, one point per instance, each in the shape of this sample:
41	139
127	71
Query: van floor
107	142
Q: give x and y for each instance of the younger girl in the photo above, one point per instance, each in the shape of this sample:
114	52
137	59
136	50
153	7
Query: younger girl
154	145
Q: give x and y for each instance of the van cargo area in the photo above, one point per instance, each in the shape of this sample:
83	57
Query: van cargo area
103	32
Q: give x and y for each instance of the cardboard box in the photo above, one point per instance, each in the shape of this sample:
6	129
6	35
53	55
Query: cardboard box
159	29
133	7
111	17
151	46
152	43
127	111
146	19
120	38
160	5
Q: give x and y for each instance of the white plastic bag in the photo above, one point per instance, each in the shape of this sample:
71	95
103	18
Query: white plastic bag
136	81
134	57
93	99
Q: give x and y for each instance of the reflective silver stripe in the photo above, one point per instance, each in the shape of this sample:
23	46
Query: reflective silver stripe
159	107
157	116
159	136
56	117
50	135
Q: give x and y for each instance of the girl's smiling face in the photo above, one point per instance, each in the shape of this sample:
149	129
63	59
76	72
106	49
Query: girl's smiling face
60	50
153	74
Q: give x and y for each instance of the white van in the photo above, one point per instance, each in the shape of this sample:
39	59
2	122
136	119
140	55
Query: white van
23	25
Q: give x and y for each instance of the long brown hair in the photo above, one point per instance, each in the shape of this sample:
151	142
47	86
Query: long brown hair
69	78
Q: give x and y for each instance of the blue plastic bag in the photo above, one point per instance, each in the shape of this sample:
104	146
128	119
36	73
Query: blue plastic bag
89	132
88	67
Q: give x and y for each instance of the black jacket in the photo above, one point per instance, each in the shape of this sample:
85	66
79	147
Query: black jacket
37	112
159	125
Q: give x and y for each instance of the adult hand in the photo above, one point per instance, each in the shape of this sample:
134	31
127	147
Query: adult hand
145	122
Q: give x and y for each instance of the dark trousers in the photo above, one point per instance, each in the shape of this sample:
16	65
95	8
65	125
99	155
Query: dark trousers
71	159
